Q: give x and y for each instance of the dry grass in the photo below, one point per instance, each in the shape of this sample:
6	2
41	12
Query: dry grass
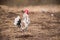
42	27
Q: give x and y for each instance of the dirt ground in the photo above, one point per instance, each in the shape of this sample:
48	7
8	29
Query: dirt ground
43	25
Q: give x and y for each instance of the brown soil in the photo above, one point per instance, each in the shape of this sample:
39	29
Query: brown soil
43	26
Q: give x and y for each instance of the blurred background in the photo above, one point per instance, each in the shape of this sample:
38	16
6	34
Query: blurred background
29	2
44	16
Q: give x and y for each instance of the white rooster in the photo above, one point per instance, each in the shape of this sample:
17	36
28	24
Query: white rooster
24	22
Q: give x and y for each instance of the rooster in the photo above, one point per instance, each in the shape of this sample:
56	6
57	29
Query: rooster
24	21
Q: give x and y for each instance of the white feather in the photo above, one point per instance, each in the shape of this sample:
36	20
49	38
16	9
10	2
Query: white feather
16	20
25	20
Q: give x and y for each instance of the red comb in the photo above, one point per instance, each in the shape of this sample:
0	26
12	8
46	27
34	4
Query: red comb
26	11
